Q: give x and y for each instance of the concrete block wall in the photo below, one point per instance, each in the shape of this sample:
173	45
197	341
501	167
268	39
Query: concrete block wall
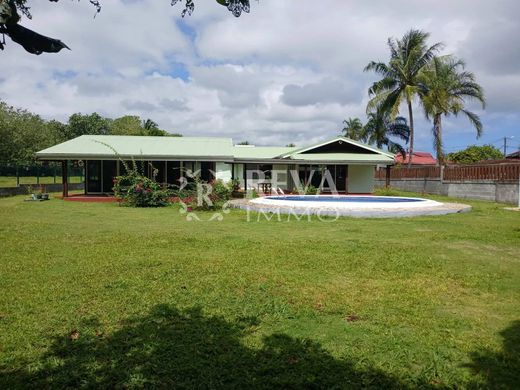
478	190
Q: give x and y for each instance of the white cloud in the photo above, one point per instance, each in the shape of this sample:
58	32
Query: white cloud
290	71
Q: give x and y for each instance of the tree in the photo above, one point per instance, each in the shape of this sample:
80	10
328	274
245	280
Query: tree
22	134
94	123
151	128
474	153
36	44
353	129
244	143
380	127
447	89
58	131
127	125
400	77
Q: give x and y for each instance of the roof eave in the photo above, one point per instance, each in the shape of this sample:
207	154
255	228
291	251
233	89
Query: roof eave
339	138
83	156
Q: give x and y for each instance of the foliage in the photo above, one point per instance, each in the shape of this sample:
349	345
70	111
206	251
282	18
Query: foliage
353	129
447	88
150	128
400	76
126	125
386	191
474	153
311	190
234	184
22	134
136	190
380	128
94	123
199	195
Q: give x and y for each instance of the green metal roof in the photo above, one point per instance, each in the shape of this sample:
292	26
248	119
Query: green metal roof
202	149
99	146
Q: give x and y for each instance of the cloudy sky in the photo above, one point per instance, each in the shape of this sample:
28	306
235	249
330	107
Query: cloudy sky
290	71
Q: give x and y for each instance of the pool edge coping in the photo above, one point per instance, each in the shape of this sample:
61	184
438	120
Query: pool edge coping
442	209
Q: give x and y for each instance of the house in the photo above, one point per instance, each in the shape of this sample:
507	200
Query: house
419	158
349	164
514	155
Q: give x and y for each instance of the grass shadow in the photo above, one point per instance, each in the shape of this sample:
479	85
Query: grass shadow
169	348
501	370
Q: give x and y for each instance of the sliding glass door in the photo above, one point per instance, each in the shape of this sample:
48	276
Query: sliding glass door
93	176
100	176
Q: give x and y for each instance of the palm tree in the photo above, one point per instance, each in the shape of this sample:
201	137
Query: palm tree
149	124
399	82
380	127
353	129
447	89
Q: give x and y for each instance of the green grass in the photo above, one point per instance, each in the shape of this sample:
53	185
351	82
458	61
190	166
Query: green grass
10	181
158	301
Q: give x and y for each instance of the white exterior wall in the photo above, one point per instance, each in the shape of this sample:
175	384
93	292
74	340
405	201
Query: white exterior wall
361	179
223	171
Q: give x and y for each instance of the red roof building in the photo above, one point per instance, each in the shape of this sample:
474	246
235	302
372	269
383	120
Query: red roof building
419	158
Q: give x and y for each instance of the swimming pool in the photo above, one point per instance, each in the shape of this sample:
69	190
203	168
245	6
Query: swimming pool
348	205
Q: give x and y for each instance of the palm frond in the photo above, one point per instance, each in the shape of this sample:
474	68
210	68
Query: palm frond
475	121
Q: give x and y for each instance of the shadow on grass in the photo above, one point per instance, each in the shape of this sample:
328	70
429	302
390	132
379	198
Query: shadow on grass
501	370
185	349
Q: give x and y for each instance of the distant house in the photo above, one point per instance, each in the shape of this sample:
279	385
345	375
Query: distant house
349	163
514	156
419	158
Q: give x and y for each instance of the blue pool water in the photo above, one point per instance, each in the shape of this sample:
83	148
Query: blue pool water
347	199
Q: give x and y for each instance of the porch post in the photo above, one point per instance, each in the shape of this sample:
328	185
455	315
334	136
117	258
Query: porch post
245	178
65	178
388	167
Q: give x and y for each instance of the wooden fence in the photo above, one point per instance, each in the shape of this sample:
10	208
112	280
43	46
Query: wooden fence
502	173
455	173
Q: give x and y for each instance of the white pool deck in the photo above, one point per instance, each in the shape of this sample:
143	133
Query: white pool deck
349	209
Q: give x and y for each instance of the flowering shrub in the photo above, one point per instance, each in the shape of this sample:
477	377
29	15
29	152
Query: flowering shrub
136	190
199	195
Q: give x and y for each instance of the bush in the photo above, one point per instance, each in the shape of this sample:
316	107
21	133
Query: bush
136	190
386	191
311	190
199	195
473	154
221	190
234	184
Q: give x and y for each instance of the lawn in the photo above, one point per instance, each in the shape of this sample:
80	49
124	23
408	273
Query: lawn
10	181
96	295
